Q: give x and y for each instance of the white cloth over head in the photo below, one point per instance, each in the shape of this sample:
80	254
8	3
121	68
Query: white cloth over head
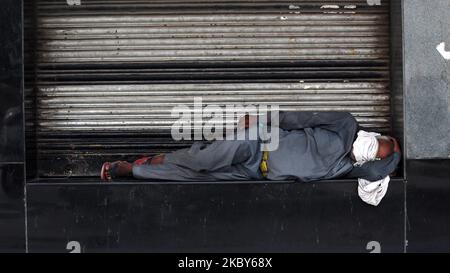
365	149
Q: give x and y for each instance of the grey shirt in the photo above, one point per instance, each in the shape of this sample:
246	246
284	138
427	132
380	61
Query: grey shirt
313	146
317	145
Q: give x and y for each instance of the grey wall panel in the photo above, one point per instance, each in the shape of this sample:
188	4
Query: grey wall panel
12	209
427	78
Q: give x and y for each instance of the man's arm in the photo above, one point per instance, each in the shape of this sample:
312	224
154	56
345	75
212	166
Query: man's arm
300	120
376	170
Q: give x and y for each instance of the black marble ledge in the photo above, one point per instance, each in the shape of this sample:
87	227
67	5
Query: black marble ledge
426	78
279	217
12	209
428	196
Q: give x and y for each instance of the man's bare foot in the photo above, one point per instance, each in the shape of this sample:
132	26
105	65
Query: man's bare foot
116	169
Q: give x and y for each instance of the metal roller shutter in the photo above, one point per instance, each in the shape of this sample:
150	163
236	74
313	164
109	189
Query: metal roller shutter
103	77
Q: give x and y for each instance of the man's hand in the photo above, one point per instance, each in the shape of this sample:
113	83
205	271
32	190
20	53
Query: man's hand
396	146
247	121
396	150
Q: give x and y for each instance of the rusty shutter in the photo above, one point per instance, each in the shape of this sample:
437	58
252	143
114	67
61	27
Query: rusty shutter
102	77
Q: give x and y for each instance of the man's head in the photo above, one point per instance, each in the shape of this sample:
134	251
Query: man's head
373	146
386	146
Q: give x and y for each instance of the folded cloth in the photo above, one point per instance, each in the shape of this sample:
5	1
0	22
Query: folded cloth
365	149
373	192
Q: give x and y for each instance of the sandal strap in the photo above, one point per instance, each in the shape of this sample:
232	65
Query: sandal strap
109	171
143	160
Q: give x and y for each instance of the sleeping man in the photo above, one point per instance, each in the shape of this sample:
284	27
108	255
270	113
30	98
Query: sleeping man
312	146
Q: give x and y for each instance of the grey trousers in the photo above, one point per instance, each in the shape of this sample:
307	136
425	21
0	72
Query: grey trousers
225	160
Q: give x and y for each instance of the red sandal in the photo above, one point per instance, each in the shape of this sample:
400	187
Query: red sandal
105	174
115	169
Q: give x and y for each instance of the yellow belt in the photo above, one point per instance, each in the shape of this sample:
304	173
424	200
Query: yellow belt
264	166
